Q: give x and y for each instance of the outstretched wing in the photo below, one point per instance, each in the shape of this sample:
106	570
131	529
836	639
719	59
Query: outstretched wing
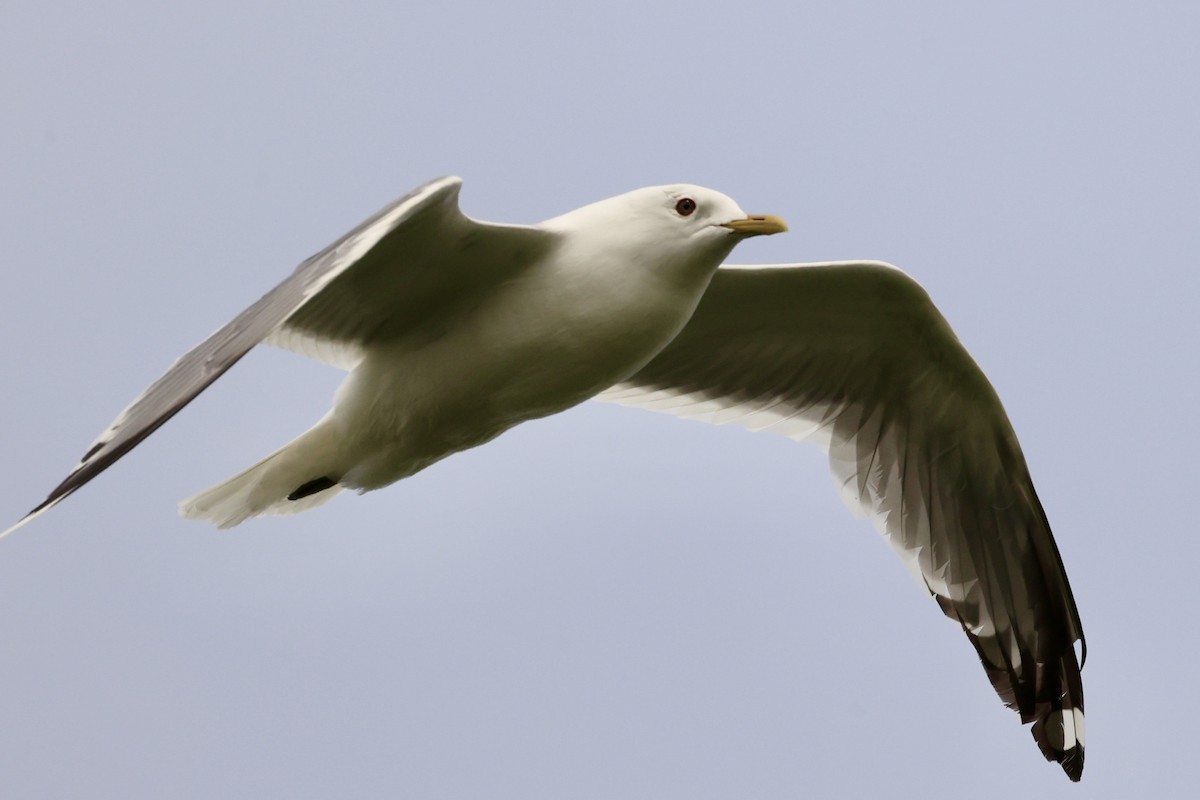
856	356
408	264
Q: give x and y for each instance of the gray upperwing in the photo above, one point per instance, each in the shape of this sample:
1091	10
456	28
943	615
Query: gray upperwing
207	361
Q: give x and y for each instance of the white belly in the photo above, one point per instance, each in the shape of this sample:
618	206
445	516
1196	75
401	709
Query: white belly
539	346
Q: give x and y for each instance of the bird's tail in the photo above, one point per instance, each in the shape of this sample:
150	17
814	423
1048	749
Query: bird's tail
299	476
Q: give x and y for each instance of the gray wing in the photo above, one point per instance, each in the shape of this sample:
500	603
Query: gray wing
855	356
406	263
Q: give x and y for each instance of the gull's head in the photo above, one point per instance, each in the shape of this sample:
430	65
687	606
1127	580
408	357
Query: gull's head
675	225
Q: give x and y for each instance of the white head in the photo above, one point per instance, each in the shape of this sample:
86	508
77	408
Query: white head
674	227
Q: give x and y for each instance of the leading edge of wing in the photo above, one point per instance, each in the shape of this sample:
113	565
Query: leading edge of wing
193	372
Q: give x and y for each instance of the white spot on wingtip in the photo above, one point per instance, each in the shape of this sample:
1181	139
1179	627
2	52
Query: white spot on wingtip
1064	729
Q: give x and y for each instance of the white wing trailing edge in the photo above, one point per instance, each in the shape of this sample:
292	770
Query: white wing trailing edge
855	356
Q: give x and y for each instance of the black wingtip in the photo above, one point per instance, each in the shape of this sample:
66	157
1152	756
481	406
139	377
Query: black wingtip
1051	739
1071	760
1072	764
43	507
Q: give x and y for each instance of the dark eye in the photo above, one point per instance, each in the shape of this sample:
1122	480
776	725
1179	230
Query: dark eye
685	207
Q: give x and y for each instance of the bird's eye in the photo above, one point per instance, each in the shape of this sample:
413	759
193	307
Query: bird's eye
685	207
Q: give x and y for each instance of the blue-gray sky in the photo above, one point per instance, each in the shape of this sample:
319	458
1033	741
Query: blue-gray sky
610	603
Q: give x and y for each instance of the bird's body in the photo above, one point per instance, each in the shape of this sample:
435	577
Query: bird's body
454	330
579	311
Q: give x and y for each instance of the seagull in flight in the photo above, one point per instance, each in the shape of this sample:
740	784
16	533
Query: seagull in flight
454	330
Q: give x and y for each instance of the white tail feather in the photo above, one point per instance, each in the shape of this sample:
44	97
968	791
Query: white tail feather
264	487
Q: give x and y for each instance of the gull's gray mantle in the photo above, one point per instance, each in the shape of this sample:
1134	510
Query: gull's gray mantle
454	330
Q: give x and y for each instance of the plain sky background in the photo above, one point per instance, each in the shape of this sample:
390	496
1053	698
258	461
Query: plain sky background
609	603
